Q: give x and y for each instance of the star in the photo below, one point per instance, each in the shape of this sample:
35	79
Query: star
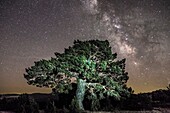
36	29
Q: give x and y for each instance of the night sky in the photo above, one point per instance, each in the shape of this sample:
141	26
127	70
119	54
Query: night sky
138	30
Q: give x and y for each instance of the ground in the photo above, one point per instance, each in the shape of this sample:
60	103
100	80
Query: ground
155	110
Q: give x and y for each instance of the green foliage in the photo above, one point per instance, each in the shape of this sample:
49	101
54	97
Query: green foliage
91	61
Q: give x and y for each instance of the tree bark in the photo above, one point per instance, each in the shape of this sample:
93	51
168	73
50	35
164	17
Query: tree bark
80	92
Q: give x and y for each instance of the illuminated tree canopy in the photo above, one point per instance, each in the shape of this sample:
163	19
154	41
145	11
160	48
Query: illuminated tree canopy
89	64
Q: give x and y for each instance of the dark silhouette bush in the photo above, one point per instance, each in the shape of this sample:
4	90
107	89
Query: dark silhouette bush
61	103
138	102
8	104
26	104
3	104
51	107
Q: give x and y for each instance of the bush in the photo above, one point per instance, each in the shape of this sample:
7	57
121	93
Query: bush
26	104
50	108
138	102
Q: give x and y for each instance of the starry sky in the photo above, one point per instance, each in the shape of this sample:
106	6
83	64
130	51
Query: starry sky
138	30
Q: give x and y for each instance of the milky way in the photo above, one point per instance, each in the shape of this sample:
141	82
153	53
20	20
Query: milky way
138	30
139	33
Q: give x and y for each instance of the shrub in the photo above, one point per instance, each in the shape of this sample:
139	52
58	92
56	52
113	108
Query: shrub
26	104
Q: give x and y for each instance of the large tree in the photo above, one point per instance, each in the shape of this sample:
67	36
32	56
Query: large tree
89	64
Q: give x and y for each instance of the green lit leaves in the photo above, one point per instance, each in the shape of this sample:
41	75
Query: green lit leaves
40	74
117	69
63	87
103	65
114	94
91	61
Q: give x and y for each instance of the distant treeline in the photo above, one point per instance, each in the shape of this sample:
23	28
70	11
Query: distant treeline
50	103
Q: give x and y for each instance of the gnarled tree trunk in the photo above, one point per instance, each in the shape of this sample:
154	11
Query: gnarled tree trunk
80	92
